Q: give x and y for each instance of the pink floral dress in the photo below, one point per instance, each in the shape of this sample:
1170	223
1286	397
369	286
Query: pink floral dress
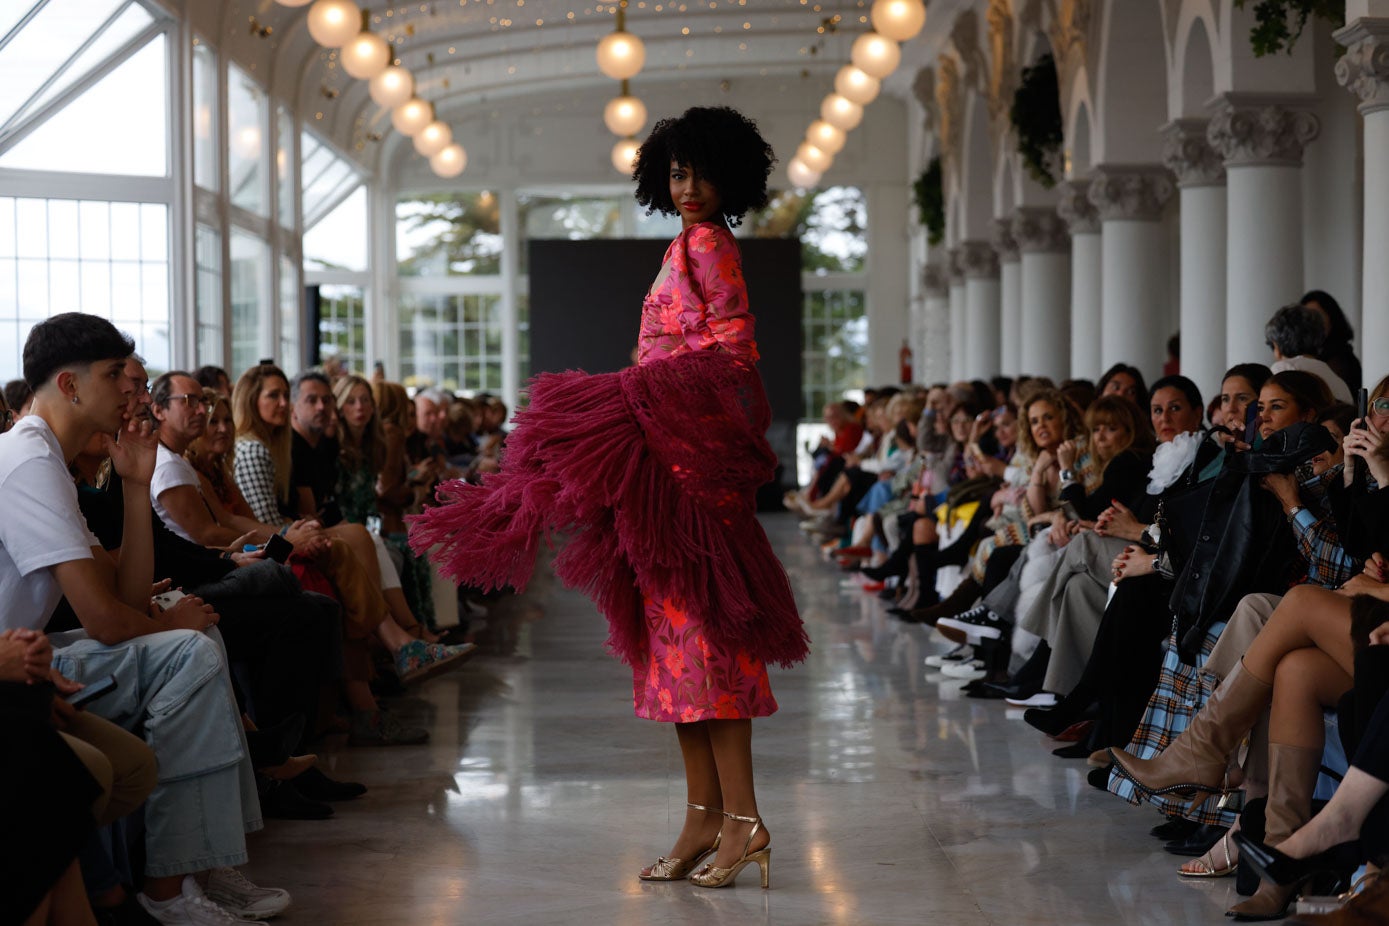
698	302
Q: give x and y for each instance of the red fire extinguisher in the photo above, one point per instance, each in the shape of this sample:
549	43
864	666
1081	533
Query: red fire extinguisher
904	357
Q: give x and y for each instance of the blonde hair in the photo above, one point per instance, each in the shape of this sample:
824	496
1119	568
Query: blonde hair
251	426
1072	426
393	405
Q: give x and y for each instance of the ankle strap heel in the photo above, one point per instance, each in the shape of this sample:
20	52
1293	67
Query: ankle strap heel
713	876
675	869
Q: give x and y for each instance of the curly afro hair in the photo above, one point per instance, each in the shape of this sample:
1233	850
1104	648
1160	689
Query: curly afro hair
721	145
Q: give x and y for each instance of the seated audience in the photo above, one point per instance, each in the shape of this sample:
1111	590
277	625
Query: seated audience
1295	334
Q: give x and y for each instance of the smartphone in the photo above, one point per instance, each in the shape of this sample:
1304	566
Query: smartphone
168	599
330	515
278	548
91	692
1251	423
1362	407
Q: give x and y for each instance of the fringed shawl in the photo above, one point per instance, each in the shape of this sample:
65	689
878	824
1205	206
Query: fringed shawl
651	473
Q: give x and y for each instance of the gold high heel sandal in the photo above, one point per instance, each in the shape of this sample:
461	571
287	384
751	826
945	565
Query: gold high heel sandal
714	876
674	869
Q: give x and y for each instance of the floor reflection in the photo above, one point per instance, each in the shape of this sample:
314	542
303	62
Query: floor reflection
892	798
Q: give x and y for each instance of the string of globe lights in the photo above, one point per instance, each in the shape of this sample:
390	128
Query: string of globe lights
621	56
364	55
873	57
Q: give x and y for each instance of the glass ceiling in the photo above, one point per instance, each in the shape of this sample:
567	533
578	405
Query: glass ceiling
48	45
326	179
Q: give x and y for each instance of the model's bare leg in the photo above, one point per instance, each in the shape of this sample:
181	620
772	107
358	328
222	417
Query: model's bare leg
701	787
732	744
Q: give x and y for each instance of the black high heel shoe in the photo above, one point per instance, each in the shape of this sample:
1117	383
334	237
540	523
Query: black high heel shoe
1280	869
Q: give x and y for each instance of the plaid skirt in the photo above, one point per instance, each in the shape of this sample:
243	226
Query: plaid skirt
1181	691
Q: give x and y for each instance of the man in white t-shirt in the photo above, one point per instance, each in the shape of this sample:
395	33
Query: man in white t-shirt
171	678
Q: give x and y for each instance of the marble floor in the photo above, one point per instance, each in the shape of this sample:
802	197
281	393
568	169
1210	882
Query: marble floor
892	799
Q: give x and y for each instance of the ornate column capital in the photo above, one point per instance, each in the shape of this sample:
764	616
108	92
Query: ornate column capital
1040	230
1076	210
955	265
1003	242
1188	153
978	260
1131	193
935	281
1260	133
1364	68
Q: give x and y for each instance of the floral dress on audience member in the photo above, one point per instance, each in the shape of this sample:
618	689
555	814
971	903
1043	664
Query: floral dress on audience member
356	495
698	302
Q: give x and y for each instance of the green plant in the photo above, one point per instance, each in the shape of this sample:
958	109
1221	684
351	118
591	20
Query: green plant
1279	23
1036	118
929	193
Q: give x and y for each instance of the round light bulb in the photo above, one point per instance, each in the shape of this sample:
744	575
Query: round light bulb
412	116
449	160
899	20
624	115
856	86
625	156
813	158
433	138
392	87
801	175
621	55
334	23
365	56
875	55
841	113
825	137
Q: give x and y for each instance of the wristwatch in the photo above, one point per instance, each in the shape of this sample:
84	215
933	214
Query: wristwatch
1292	512
1068	475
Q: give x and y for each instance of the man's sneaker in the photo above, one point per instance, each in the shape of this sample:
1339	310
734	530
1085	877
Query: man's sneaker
977	624
962	653
189	908
418	660
230	890
965	670
1041	699
377	728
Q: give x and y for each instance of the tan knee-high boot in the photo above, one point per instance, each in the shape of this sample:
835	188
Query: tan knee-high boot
1292	776
1195	761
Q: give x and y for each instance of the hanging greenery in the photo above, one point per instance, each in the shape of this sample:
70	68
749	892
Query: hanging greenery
1279	23
1036	118
929	193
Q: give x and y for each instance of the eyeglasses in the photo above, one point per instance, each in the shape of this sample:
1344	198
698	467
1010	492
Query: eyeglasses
1380	406
191	399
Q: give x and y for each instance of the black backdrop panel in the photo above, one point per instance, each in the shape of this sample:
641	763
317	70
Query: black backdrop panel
585	307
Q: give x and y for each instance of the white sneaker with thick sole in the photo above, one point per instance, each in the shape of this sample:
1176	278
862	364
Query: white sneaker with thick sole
232	891
1040	699
190	908
965	670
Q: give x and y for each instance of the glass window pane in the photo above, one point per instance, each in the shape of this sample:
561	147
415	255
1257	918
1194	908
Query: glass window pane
247	144
205	122
95	229
284	164
449	234
339	240
62	228
342	326
250	300
324	178
127	110
289	314
47	41
207	246
154	233
126	26
125	231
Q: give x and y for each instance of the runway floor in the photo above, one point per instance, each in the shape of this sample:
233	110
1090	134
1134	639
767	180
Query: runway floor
890	797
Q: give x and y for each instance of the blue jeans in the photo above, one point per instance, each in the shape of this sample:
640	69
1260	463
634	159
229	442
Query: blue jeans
173	689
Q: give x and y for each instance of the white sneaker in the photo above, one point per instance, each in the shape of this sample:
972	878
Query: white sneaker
189	908
1040	699
965	670
962	653
231	890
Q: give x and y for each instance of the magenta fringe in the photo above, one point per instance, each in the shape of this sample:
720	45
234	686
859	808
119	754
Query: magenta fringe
650	475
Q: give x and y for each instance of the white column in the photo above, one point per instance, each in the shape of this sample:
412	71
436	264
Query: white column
934	362
1010	297
1364	70
1133	265
1262	147
958	314
1083	222
1201	181
1046	291
979	261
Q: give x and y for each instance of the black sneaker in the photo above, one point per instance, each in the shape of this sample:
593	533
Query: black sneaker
978	623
